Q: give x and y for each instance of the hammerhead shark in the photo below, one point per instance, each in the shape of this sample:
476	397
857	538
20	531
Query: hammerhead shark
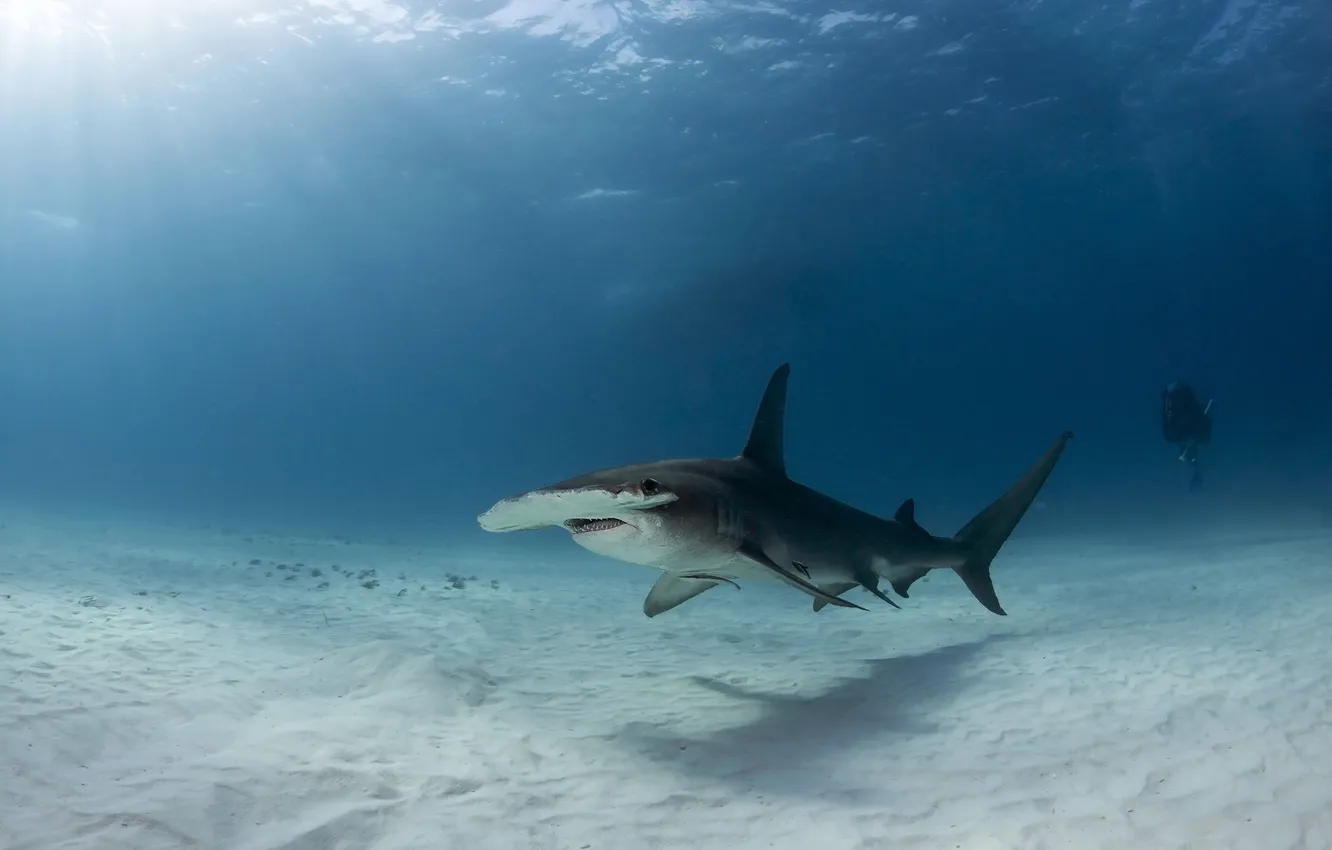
709	521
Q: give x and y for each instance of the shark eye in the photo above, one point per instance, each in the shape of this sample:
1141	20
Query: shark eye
650	486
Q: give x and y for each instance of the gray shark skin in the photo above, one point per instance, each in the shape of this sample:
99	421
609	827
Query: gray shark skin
710	521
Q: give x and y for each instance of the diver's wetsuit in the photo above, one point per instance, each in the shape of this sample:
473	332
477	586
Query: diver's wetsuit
1186	423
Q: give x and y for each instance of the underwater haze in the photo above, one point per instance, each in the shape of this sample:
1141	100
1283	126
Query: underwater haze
313	284
381	261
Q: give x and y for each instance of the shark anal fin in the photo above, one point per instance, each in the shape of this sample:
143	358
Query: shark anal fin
766	446
902	583
801	568
673	589
757	555
836	590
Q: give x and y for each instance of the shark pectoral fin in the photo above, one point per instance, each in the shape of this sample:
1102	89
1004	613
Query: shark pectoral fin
902	583
754	553
673	589
835	590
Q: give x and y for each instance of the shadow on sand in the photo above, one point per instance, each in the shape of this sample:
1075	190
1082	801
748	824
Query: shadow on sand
796	742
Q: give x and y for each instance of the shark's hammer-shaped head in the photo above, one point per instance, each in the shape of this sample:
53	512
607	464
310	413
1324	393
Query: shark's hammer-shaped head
650	514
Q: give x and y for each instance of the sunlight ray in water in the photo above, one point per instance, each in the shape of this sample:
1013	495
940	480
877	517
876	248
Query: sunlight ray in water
302	300
29	19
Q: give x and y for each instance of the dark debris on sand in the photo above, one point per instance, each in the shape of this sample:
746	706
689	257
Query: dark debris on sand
367	578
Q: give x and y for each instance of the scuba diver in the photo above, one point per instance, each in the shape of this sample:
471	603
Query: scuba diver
1186	423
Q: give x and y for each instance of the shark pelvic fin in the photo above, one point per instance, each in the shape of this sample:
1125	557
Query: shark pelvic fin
869	580
673	589
766	446
756	554
836	590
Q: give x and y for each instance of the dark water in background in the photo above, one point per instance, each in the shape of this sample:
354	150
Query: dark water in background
348	265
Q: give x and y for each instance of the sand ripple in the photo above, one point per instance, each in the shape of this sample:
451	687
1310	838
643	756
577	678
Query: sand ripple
154	694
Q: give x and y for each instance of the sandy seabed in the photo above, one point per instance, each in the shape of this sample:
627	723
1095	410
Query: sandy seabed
164	687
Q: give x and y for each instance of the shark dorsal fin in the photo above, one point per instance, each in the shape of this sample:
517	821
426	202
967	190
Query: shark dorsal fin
907	513
765	446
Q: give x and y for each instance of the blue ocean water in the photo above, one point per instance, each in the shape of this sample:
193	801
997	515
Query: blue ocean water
366	261
327	272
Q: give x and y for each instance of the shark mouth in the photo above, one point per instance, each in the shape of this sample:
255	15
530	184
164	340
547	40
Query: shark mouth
579	509
588	526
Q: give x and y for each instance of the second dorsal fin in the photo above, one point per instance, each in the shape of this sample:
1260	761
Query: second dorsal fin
766	439
906	514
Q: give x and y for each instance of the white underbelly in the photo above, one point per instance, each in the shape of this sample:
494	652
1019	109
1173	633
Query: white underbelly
723	563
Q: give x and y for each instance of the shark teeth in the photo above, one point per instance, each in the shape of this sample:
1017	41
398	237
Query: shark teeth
586	526
553	507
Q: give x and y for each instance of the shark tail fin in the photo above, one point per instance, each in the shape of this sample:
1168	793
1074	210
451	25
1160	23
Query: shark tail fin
986	533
